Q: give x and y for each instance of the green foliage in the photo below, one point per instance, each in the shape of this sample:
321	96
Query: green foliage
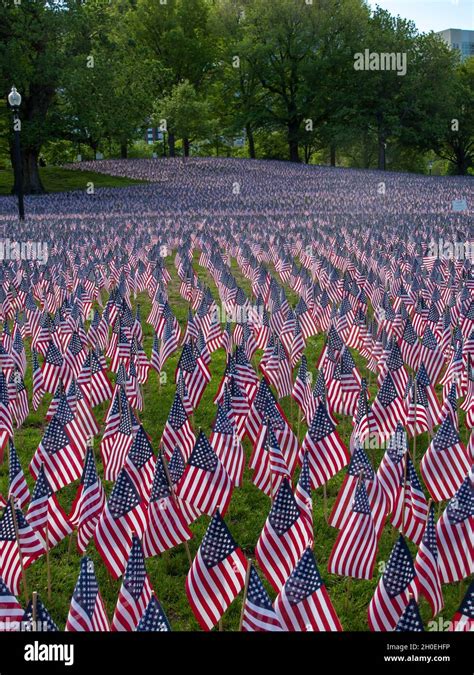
56	179
95	72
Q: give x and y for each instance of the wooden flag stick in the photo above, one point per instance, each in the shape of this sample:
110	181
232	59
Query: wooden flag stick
244	599
414	423
48	562
20	553
174	498
405	470
221	628
34	610
325	502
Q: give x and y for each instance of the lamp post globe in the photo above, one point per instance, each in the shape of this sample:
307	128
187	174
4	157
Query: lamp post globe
14	98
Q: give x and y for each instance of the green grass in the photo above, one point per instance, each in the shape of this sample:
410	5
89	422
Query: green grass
247	511
56	179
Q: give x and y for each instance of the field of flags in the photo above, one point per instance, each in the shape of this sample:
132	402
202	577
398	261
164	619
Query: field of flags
240	397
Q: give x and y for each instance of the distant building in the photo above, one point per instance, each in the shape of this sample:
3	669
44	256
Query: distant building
462	40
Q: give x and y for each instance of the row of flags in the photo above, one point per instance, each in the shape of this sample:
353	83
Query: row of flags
414	325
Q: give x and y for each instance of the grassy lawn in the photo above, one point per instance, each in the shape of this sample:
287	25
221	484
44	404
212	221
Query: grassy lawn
56	179
248	507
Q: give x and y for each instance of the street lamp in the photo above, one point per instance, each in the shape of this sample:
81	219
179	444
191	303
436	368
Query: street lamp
14	100
430	166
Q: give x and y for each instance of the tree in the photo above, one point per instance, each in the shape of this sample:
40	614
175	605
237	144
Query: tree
186	116
177	35
456	144
32	58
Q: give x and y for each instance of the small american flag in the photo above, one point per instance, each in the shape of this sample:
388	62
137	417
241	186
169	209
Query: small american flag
410	621
205	484
304	603
455	532
217	574
283	538
258	613
87	612
355	548
166	525
153	619
43	622
11	612
326	451
463	620
125	512
18	486
135	593
88	503
445	463
427	567
397	585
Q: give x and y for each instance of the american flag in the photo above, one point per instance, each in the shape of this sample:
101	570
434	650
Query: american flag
271	468
135	592
18	487
53	368
11	612
445	463
87	612
195	373
391	470
463	620
60	457
154	619
124	513
455	532
122	441
227	446
88	503
427	566
166	524
178	431
355	548
394	590
140	463
43	622
304	603
410	509
410	621
258	614
205	483
388	408
304	499
29	547
326	451
283	539
45	513
341	511
217	574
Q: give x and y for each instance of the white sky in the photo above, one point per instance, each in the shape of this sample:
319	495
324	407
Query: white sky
432	14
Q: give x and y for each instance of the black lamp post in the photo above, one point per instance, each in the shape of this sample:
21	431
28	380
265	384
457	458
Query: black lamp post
14	100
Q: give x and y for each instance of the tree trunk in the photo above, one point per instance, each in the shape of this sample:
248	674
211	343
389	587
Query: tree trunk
123	150
293	129
251	140
381	143
332	154
32	184
171	144
186	146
